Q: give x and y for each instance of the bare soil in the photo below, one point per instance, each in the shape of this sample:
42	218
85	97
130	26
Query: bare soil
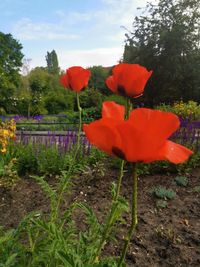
165	237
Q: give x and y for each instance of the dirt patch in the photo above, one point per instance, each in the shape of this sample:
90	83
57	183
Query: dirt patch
165	237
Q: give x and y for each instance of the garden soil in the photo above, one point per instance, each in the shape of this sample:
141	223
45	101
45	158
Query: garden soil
165	237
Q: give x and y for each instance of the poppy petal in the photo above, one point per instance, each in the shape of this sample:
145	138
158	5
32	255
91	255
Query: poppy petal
132	143
110	82
64	81
158	124
78	78
175	153
101	134
130	79
113	110
138	85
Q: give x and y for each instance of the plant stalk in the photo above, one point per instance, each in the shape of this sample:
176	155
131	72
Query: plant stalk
80	123
134	219
109	221
70	170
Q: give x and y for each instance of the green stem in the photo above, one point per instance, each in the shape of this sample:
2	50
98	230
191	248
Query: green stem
127	105
80	122
109	221
134	220
119	180
70	170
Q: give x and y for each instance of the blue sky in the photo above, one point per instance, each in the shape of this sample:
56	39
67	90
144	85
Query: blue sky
83	32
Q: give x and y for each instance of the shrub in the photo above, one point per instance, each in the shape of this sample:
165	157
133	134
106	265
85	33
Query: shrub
26	159
190	110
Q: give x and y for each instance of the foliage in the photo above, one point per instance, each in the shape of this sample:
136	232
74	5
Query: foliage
168	234
26	159
8	173
57	102
161	204
165	38
196	189
97	79
192	163
10	63
90	98
38	80
181	180
116	98
163	193
56	240
41	93
33	158
52	62
189	110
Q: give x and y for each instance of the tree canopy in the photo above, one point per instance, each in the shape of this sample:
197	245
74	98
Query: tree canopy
166	39
52	62
10	63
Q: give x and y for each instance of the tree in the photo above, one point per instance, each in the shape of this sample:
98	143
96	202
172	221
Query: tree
166	39
52	62
10	63
98	77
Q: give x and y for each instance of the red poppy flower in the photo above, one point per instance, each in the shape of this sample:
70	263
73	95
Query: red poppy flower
141	138
128	79
76	78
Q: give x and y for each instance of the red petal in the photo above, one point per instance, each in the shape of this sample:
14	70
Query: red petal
110	82
132	77
175	153
155	123
78	78
132	144
102	134
138	84
112	110
64	81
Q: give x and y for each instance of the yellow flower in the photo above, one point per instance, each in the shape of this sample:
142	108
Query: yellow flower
3	150
6	133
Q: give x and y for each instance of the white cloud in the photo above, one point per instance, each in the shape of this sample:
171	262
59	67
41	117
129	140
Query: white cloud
86	58
105	21
99	30
26	29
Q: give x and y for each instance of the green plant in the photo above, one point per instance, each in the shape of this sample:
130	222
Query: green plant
168	234
196	189
8	174
163	193
190	109
181	180
26	159
191	163
56	239
49	160
161	204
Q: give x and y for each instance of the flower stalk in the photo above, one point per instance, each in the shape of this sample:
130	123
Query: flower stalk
70	170
80	123
110	217
134	219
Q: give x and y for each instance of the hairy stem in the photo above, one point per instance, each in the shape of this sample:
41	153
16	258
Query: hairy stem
113	208
134	220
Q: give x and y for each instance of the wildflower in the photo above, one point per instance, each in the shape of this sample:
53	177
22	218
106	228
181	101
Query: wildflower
128	79
141	138
75	79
